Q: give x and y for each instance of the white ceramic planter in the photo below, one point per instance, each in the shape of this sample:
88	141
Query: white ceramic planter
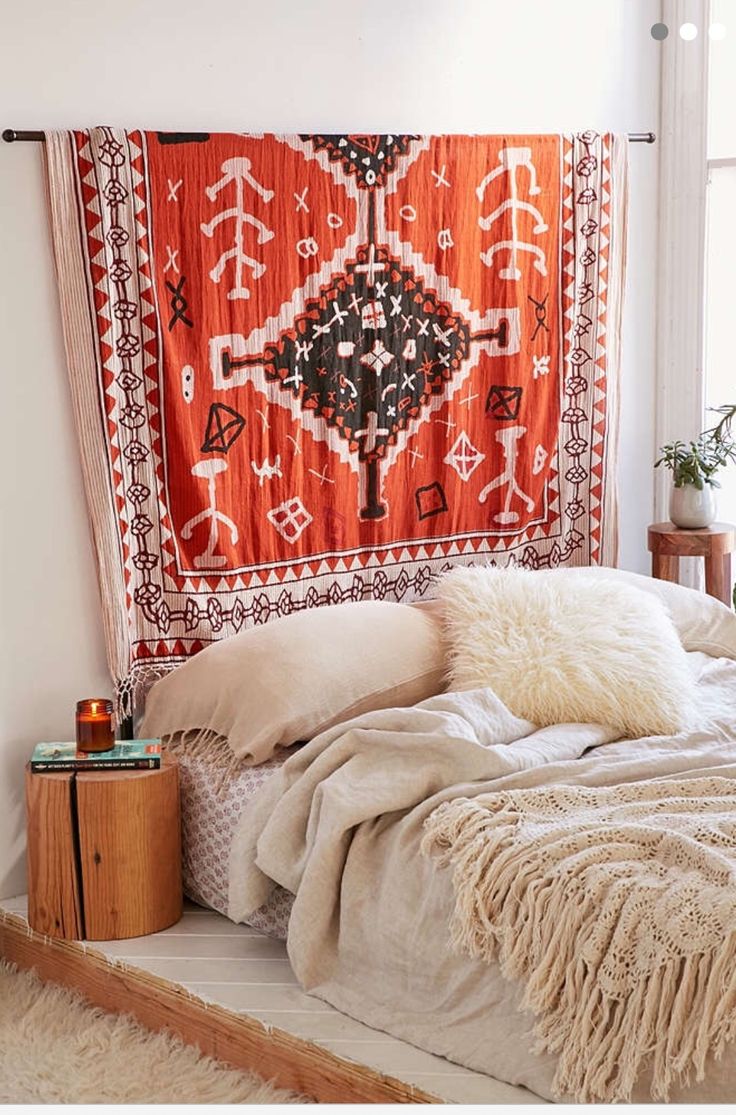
692	508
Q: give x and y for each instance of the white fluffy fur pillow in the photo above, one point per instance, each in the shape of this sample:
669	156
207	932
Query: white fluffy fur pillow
560	651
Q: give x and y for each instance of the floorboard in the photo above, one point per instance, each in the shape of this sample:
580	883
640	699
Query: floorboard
245	973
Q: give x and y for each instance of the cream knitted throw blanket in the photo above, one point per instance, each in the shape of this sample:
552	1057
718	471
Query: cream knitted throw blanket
616	907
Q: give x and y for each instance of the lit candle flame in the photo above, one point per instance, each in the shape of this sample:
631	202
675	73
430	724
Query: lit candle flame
94	708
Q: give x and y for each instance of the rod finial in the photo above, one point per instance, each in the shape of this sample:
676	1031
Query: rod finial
9	135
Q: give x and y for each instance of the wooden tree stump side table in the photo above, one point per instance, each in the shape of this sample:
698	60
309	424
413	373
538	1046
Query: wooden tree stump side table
668	543
104	852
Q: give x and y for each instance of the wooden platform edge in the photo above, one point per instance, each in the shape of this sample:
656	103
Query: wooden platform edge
239	1040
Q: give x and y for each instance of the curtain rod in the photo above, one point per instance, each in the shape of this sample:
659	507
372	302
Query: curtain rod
10	135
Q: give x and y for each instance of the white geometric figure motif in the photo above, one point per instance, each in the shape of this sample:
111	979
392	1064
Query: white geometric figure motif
187	383
301	200
440	179
510	159
297	379
334	220
410	350
371	432
464	457
221	350
540	457
347	385
345	348
371	266
444	239
338	316
321	476
449	424
174	188
237	172
208	558
307	247
290	519
378	358
266	470
541	366
171	259
408	213
507	437
373	316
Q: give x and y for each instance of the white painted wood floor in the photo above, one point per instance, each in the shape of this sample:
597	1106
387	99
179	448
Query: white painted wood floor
249	973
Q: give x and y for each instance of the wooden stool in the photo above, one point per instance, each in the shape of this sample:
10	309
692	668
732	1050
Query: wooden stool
104	852
715	543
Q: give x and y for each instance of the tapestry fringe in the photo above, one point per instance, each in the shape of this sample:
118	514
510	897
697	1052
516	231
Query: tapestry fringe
131	690
684	1011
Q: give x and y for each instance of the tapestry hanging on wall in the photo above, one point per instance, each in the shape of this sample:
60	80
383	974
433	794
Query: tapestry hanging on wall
308	369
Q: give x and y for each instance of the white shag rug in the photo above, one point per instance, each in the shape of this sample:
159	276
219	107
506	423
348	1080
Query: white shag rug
54	1048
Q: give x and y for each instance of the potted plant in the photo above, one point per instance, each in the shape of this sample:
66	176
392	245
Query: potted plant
694	466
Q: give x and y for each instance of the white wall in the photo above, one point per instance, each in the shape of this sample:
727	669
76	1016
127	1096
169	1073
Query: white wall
273	65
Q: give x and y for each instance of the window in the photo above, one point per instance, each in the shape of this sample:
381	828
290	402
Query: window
720	263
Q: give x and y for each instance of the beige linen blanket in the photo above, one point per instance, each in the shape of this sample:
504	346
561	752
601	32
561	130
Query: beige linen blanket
341	827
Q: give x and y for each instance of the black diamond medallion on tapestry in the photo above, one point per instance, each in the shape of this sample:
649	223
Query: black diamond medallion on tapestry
369	157
369	354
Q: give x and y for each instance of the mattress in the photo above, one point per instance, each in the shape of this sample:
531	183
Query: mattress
210	812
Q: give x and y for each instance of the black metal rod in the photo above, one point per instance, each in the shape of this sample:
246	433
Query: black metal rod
11	136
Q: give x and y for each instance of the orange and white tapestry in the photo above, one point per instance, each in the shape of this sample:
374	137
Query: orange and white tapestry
317	368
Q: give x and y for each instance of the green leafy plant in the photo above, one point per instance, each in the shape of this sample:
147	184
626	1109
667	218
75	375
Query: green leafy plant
697	462
722	430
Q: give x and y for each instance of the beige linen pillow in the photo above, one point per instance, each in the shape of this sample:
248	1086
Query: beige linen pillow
702	622
560	650
290	679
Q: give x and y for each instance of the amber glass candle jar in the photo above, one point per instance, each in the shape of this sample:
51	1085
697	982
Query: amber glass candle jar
94	725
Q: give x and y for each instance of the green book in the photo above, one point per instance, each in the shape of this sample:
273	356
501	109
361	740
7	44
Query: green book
128	754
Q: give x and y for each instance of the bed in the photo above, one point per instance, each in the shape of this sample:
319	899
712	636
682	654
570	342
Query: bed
210	810
341	823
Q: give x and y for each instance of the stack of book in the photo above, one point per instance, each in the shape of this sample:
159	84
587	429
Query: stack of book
134	754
